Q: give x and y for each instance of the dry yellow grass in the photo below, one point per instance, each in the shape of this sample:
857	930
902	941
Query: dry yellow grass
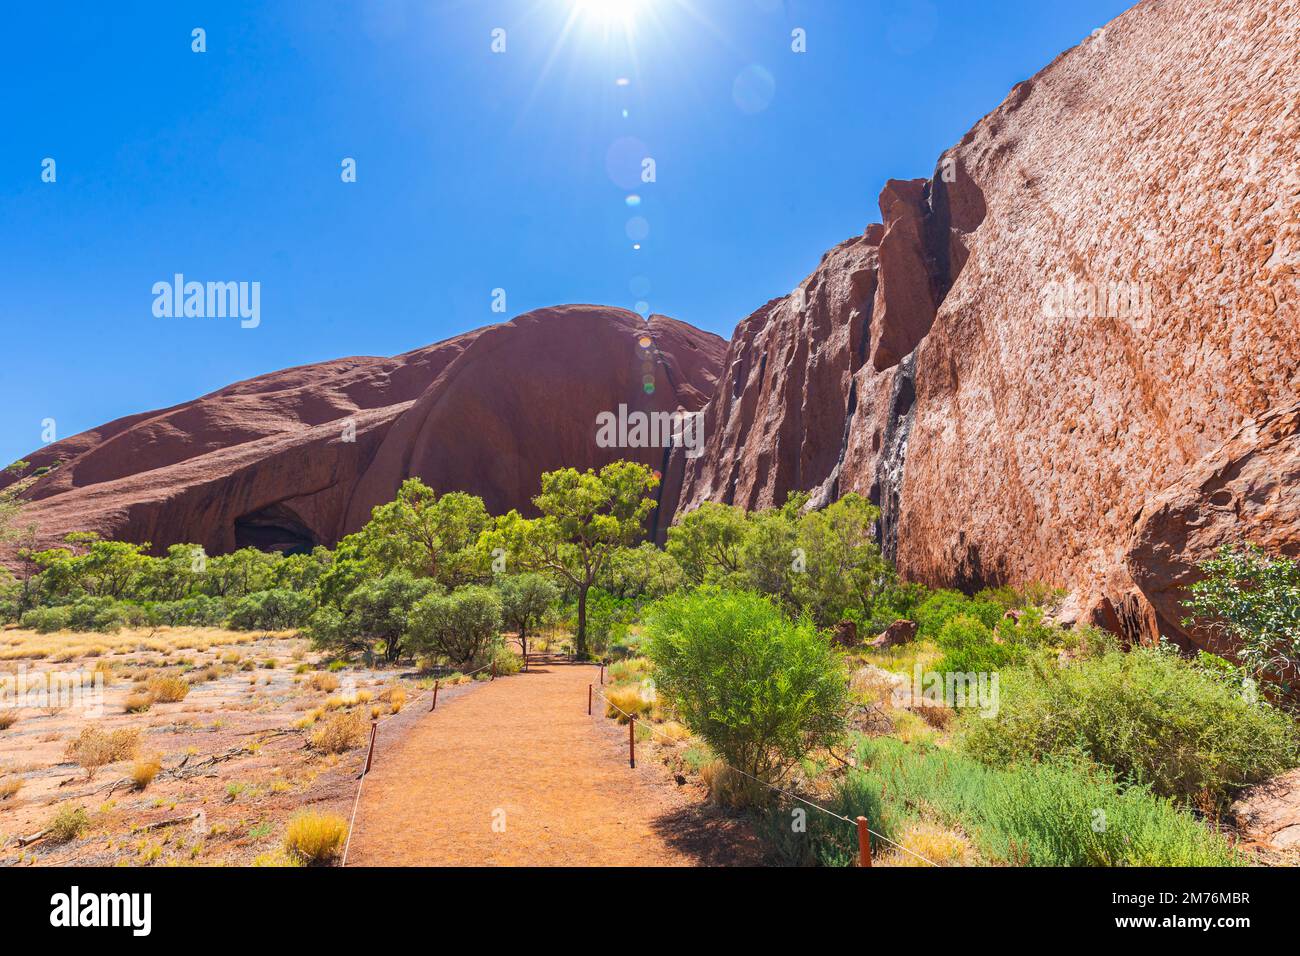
144	770
340	733
315	838
396	698
624	700
324	682
671	732
137	703
8	718
167	689
94	748
10	787
934	843
23	644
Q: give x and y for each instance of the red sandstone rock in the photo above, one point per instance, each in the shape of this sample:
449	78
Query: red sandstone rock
900	632
1111	262
264	462
1270	812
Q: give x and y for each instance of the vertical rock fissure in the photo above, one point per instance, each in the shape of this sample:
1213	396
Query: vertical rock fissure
887	488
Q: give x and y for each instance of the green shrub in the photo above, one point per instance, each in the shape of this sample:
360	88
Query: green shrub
100	614
943	605
378	611
197	611
67	824
969	648
761	690
1151	717
1055	812
45	620
275	610
1253	600
461	626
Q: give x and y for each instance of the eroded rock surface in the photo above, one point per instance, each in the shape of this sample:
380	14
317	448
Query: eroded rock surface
1095	291
299	457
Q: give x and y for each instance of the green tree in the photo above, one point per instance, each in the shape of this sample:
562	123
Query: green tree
843	567
643	572
706	543
373	617
429	535
1253	600
461	626
585	517
239	573
525	600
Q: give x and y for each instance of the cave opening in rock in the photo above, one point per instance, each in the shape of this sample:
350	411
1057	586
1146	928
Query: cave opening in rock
276	527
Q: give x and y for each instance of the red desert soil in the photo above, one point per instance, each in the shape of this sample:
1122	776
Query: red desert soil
523	751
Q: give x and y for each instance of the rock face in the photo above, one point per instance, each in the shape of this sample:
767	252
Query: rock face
1270	812
900	632
299	457
1045	363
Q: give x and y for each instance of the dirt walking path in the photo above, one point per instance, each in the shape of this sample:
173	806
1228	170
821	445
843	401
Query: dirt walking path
514	772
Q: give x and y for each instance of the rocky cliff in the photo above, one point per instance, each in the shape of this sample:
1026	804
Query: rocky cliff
1069	355
300	456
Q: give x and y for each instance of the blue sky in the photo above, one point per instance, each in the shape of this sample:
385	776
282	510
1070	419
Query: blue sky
475	170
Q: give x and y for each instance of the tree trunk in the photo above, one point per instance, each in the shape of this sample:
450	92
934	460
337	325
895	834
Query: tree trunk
580	641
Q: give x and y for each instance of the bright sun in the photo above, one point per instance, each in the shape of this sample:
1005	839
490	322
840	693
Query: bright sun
608	13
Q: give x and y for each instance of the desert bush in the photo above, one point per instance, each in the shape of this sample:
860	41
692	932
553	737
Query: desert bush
8	717
340	733
277	609
395	698
460	626
941	606
761	690
969	647
46	620
323	682
67	824
144	770
96	748
507	661
1055	812
137	703
9	788
315	838
1254	600
201	610
378	612
1148	715
166	688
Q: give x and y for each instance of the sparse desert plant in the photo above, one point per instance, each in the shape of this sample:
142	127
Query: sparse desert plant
95	748
324	682
396	698
340	733
315	838
168	689
626	701
138	702
144	770
10	787
67	824
7	717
